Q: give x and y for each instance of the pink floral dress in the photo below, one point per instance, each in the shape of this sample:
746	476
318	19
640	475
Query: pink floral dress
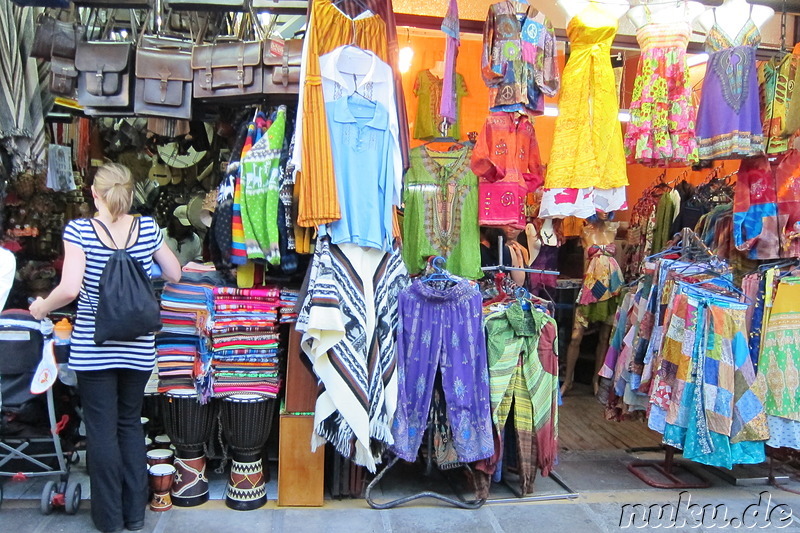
661	132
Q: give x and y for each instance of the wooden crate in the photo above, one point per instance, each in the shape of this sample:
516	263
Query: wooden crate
301	474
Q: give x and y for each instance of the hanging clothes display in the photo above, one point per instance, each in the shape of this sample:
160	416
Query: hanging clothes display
506	161
385	10
429	90
361	143
661	131
684	359
779	366
346	319
315	182
453	86
704	404
766	219
587	169
728	118
602	281
519	61
441	212
522	347
440	329
360	103
350	71
260	185
777	81
22	107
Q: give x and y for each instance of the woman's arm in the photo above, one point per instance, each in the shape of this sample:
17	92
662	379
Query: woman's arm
170	267
518	261
70	286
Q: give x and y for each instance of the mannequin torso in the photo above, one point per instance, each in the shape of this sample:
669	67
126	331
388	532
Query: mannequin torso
438	69
732	16
664	13
616	8
599	233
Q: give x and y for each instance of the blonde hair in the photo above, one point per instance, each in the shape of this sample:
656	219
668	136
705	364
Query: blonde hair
114	184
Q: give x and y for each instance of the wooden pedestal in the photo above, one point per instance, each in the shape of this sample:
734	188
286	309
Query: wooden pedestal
301	383
301	474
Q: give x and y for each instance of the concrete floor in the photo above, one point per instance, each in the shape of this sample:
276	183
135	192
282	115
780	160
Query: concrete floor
602	481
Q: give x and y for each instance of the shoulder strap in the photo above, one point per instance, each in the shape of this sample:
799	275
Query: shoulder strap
134	225
714	12
751	11
107	232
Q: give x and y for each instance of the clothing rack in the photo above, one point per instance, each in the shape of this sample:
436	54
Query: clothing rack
691	248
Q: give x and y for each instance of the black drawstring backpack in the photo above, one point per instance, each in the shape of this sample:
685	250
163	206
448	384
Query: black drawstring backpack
127	307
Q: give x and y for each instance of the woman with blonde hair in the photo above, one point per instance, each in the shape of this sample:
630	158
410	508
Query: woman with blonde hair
112	375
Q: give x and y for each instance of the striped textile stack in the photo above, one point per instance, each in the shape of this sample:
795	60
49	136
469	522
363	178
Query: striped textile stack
244	341
288	302
181	343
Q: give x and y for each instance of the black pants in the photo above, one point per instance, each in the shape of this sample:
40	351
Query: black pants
112	409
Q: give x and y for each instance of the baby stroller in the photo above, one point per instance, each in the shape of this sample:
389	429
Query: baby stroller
38	433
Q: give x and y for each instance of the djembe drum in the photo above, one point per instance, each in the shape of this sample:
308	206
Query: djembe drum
160	456
188	424
246	422
161	477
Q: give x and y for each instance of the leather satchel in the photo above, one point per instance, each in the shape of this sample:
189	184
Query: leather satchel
228	70
283	66
63	77
105	74
163	82
55	37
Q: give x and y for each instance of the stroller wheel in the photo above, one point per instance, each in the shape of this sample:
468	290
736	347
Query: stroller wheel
46	503
74	458
72	497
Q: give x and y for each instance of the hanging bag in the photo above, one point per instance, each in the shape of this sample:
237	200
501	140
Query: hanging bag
282	62
163	77
105	82
55	40
127	307
230	70
54	36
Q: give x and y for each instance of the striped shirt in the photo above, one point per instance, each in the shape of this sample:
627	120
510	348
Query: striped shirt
139	354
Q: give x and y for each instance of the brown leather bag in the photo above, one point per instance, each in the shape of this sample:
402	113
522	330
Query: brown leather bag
55	37
283	66
105	74
63	77
227	70
163	79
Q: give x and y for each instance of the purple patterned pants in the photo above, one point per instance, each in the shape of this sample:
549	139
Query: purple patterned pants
442	329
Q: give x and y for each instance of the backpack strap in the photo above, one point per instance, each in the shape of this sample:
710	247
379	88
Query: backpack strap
130	232
134	224
105	228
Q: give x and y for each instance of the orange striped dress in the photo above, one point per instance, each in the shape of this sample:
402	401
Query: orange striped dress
315	183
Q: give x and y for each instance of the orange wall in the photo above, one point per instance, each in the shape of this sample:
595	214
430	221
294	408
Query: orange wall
475	106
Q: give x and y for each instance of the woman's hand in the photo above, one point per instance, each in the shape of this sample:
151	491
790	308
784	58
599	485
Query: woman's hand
38	309
517	254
